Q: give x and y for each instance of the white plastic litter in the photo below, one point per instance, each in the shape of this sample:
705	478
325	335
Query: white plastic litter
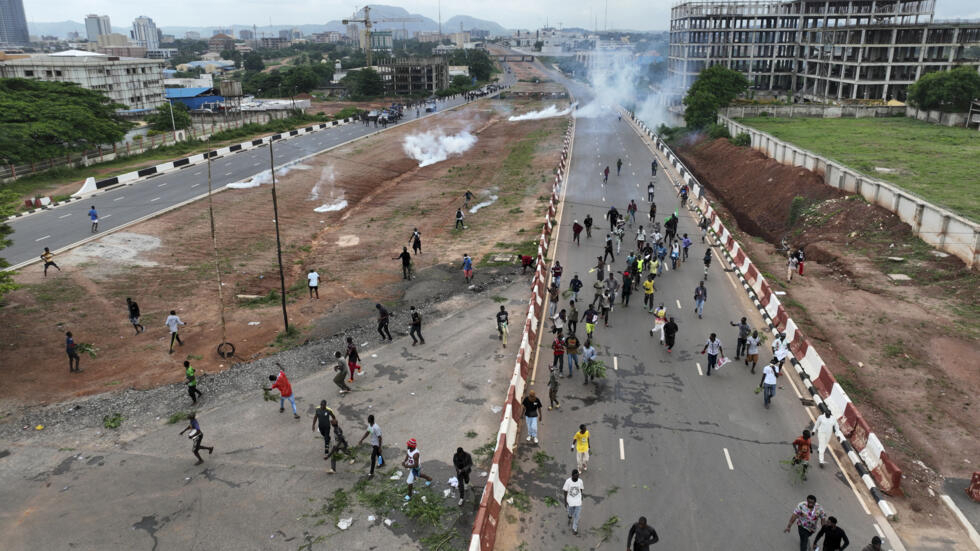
395	475
345	523
254	322
374	355
454	482
389	522
496	409
484	474
446	492
364	344
372	518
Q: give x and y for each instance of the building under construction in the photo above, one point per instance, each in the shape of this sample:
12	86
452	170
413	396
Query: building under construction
829	49
411	75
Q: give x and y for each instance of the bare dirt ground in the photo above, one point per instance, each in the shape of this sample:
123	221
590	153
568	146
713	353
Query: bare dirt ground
168	262
905	353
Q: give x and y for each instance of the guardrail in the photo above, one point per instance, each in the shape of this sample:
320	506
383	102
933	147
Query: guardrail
933	224
485	524
863	447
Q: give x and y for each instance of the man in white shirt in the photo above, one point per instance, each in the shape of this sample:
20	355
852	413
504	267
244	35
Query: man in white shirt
768	382
573	499
314	279
824	428
173	323
713	348
780	349
752	352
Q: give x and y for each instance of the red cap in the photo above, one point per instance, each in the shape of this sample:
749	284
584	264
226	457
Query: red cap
411	442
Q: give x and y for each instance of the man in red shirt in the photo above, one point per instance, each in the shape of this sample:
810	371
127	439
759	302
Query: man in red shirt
576	232
281	383
801	448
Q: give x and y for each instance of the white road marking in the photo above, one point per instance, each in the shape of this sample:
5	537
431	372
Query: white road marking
65	215
256	164
728	458
195	185
154	199
616	367
699	368
227	173
679	304
622	451
41	238
107	216
197	173
120	198
161	185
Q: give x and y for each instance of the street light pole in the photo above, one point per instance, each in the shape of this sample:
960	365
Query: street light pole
172	123
275	211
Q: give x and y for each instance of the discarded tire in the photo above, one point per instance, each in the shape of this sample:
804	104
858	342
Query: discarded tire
226	350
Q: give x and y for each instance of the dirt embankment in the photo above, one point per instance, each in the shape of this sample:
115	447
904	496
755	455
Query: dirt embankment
905	352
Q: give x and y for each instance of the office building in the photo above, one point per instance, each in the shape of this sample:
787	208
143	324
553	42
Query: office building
830	50
409	75
382	41
221	42
96	26
13	24
145	33
192	35
273	42
246	34
136	83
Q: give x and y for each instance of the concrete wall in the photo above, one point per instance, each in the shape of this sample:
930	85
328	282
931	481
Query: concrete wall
937	117
933	224
813	111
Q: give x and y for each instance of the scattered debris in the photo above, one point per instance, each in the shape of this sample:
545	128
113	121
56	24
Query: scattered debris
345	523
899	277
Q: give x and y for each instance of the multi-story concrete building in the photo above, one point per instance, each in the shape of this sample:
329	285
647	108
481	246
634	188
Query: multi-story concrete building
409	75
96	26
828	49
145	33
221	42
13	24
136	83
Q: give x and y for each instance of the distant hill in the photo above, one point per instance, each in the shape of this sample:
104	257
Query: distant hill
470	23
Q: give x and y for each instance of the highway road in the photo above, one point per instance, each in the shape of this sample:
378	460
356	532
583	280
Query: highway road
698	455
67	225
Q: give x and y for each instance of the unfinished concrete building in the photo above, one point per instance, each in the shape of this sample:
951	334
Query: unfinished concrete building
830	49
410	75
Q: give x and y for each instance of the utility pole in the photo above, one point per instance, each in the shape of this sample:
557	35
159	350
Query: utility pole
275	213
172	123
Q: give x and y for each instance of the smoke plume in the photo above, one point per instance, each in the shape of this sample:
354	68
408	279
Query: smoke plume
432	147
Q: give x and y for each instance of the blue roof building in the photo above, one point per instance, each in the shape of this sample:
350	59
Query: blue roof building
194	98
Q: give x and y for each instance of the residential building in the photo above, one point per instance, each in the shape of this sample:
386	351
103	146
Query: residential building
204	80
216	32
409	75
835	50
331	37
136	83
192	35
145	33
284	34
161	53
13	24
221	42
96	26
246	34
382	41
167	39
428	36
129	50
273	43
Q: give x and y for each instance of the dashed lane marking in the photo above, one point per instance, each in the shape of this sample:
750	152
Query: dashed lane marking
678	304
120	198
622	450
616	368
699	368
154	199
65	215
41	238
728	459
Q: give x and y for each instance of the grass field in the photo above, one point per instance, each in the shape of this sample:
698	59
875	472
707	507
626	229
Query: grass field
938	163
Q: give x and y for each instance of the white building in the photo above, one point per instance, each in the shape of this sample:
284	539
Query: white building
96	26
133	82
145	33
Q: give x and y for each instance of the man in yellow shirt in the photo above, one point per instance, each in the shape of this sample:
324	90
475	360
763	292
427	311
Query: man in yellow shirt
580	443
648	293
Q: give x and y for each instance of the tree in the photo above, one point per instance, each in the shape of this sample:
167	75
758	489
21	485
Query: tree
366	82
299	79
253	62
461	82
40	120
160	118
946	90
8	205
715	87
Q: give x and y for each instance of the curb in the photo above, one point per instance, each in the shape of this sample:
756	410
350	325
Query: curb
488	515
862	446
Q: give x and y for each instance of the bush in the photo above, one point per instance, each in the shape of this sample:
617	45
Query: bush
950	91
742	140
716	131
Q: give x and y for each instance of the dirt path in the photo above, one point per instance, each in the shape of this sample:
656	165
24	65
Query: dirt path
904	352
168	262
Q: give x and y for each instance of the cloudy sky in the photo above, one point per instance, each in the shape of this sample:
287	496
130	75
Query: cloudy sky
632	14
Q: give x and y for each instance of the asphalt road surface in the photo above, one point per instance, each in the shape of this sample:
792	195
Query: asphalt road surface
699	456
68	224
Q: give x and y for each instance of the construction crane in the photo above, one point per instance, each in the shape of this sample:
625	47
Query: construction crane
368	24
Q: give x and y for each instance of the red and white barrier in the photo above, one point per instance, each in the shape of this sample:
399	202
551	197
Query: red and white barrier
487	516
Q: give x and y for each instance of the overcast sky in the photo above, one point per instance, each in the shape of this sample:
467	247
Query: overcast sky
632	14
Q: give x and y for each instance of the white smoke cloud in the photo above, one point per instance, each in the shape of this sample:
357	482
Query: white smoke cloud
265	177
432	147
335	198
546	113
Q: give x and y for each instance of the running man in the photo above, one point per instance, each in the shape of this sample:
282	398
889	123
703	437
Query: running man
581	447
700	297
413	460
823	427
644	535
769	381
416	327
532	415
801	452
383	317
173	322
416	241
93	215
588	225
48	258
196	437
190	379
752	349
134	315
714	350
459	220
313	279
72	351
321	420
406	259
352	358
685	245
467	268
577	232
605	175
670	333
463	463
281	383
743	336
650	193
341	445
374	431
340	371
502	324
553	385
806	516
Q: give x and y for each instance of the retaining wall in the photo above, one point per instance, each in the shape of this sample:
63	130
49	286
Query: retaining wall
488	515
813	111
862	445
935	225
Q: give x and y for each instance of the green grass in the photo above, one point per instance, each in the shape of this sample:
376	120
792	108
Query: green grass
938	163
177	417
112	421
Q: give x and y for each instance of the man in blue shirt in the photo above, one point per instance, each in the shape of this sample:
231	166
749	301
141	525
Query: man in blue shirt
94	217
467	268
196	437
